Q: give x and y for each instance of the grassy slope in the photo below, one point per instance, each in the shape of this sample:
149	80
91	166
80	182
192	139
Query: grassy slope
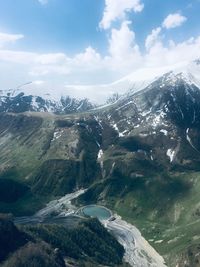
23	141
51	155
171	229
163	204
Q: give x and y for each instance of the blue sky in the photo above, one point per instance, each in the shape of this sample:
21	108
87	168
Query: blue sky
71	25
62	42
60	25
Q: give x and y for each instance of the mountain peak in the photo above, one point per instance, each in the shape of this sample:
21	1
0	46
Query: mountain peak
51	100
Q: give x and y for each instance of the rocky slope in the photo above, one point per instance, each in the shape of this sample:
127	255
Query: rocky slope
22	100
139	156
32	96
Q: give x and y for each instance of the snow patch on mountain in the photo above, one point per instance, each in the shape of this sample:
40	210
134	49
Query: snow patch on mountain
54	99
100	154
165	132
190	140
171	154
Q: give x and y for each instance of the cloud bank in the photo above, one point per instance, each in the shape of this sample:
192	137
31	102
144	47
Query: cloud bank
6	38
124	54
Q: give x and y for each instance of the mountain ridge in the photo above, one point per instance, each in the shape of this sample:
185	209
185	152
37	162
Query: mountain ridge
138	156
30	97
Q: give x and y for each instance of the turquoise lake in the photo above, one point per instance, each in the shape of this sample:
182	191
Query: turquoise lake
97	211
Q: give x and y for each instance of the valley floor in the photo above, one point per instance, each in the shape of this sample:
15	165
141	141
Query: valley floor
138	252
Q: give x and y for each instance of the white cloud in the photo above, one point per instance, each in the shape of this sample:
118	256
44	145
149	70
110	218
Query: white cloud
38	82
46	70
53	63
90	58
152	38
53	58
43	2
124	56
90	67
162	55
173	21
124	53
17	57
117	9
122	41
6	38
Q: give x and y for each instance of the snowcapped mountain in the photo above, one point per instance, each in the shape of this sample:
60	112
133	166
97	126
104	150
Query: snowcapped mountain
25	98
136	81
163	118
28	97
139	80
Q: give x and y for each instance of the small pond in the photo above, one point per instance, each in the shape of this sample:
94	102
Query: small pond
99	212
